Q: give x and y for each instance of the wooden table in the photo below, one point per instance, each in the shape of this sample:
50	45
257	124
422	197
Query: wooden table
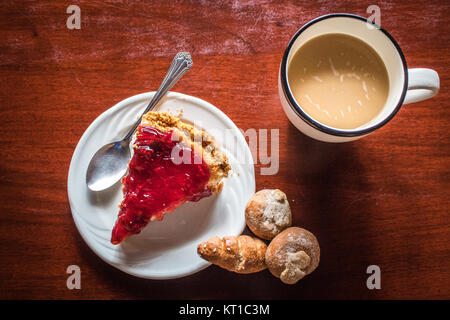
382	200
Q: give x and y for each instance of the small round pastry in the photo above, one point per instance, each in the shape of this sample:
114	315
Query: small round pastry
293	254
268	213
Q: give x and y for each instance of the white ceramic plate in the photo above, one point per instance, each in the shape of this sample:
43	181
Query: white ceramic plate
164	249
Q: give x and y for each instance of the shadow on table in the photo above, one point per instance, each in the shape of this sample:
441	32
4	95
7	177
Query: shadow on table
335	204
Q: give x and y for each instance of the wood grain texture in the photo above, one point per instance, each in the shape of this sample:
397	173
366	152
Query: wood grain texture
381	200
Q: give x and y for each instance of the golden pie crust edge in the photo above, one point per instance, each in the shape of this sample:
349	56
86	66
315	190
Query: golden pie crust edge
197	140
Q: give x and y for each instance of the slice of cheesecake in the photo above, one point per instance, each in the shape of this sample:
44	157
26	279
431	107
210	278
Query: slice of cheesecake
173	162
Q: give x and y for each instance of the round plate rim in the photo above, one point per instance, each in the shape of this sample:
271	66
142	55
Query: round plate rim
146	95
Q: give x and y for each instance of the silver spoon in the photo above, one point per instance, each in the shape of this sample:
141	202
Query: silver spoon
110	162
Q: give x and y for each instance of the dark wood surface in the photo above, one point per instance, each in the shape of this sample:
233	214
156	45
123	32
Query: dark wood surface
382	200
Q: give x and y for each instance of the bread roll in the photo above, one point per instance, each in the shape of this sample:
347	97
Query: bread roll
293	254
241	254
268	213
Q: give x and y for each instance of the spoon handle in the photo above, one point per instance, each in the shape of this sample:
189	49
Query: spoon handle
181	63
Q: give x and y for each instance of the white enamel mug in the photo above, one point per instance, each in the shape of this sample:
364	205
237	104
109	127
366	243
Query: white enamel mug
405	85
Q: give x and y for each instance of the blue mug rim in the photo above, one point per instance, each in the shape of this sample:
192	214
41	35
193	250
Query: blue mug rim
309	120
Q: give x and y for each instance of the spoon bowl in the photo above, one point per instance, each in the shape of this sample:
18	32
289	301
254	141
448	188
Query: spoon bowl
108	165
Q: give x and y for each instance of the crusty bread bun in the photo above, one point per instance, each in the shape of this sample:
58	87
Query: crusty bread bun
293	254
268	213
241	254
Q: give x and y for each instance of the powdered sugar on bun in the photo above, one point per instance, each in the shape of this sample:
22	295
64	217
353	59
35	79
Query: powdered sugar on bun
268	213
293	254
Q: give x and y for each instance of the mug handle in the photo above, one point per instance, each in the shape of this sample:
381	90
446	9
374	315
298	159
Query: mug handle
422	84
